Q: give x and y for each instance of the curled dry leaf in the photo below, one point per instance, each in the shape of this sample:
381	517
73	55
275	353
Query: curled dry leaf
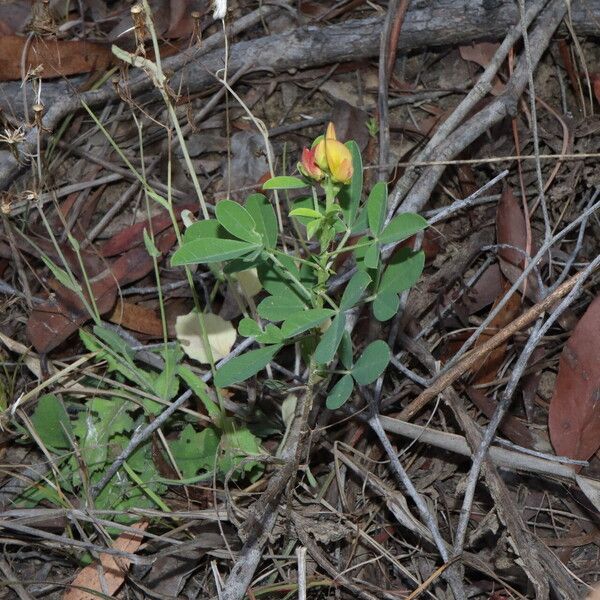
221	336
574	419
108	578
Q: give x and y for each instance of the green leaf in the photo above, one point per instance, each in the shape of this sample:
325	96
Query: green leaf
330	340
118	355
264	216
207	228
242	367
271	335
201	390
312	228
354	290
209	250
238	443
249	328
194	450
303	321
376	205
113	340
372	363
311	213
274	280
151	249
346	351
51	422
166	385
386	305
350	195
104	418
62	276
371	259
403	271
238	221
340	392
284	182
402	227
278	308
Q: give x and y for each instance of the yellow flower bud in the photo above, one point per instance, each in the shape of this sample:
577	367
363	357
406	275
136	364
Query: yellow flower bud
333	157
339	161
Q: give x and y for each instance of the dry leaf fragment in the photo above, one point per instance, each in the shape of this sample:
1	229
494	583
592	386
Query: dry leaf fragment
574	418
108	577
221	336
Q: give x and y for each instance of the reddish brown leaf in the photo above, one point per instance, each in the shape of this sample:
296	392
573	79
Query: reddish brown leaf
114	569
13	16
350	123
137	318
134	235
574	419
52	322
481	54
58	58
511	230
486	289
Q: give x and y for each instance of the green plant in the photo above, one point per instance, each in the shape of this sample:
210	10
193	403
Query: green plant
83	448
332	223
298	307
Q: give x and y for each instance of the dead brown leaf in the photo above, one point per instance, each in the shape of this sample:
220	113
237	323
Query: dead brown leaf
136	318
57	58
511	230
574	418
107	577
482	54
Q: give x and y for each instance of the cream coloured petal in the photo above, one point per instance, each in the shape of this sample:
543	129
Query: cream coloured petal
221	336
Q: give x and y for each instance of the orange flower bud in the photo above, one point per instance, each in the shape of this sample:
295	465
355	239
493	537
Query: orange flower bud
307	165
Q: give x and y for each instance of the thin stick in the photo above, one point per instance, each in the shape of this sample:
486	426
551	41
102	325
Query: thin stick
539	331
450	376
